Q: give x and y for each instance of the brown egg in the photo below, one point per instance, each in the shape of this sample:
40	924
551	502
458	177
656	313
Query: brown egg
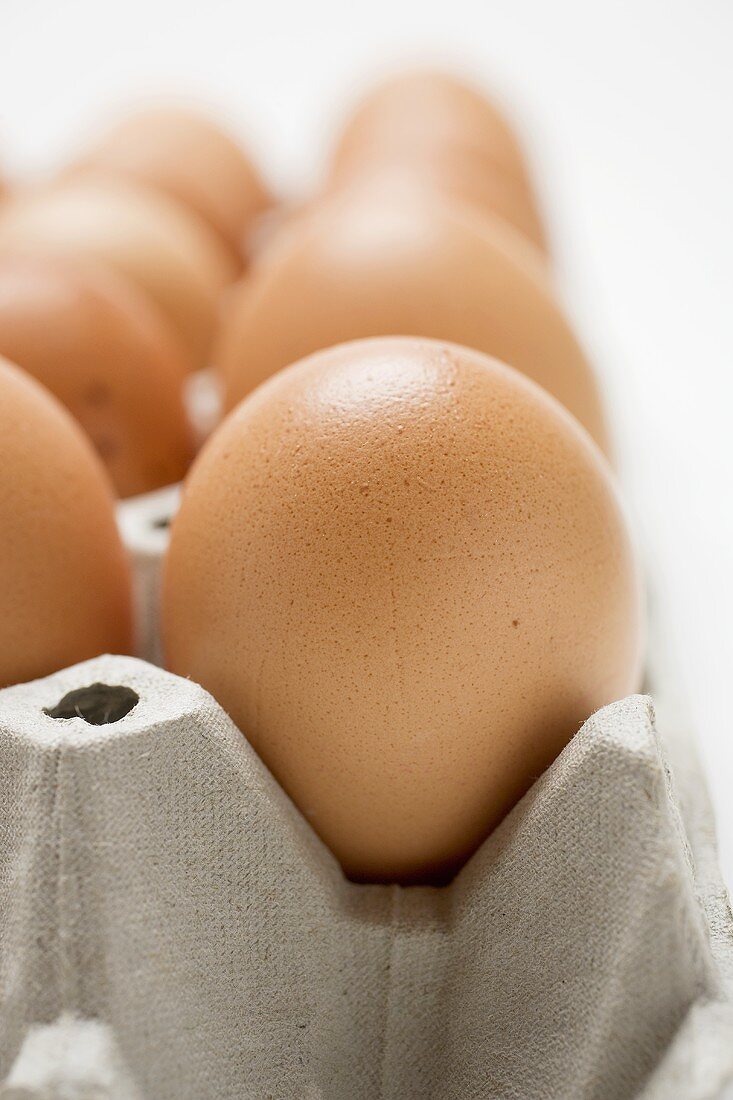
152	240
402	569
188	157
370	265
424	114
102	348
65	592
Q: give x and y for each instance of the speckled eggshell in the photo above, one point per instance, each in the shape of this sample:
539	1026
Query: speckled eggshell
188	156
369	264
101	347
155	242
403	570
65	592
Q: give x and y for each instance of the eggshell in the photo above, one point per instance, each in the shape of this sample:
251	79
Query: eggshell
188	157
168	253
402	569
98	344
65	592
367	264
424	114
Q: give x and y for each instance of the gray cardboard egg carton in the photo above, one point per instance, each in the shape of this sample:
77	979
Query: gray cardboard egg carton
172	929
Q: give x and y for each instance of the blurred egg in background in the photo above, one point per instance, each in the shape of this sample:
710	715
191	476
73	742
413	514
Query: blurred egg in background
97	343
185	155
430	129
169	253
65	593
369	263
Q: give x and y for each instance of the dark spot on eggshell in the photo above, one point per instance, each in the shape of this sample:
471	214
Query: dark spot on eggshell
97	394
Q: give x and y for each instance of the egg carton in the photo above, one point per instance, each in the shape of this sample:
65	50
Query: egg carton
171	927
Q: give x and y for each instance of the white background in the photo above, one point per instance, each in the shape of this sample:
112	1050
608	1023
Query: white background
627	111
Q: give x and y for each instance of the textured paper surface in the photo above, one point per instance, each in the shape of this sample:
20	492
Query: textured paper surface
156	879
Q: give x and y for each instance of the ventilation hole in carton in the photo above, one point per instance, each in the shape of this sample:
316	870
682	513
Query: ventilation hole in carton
162	523
98	704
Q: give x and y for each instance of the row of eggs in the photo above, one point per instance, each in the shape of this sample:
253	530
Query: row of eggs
400	565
